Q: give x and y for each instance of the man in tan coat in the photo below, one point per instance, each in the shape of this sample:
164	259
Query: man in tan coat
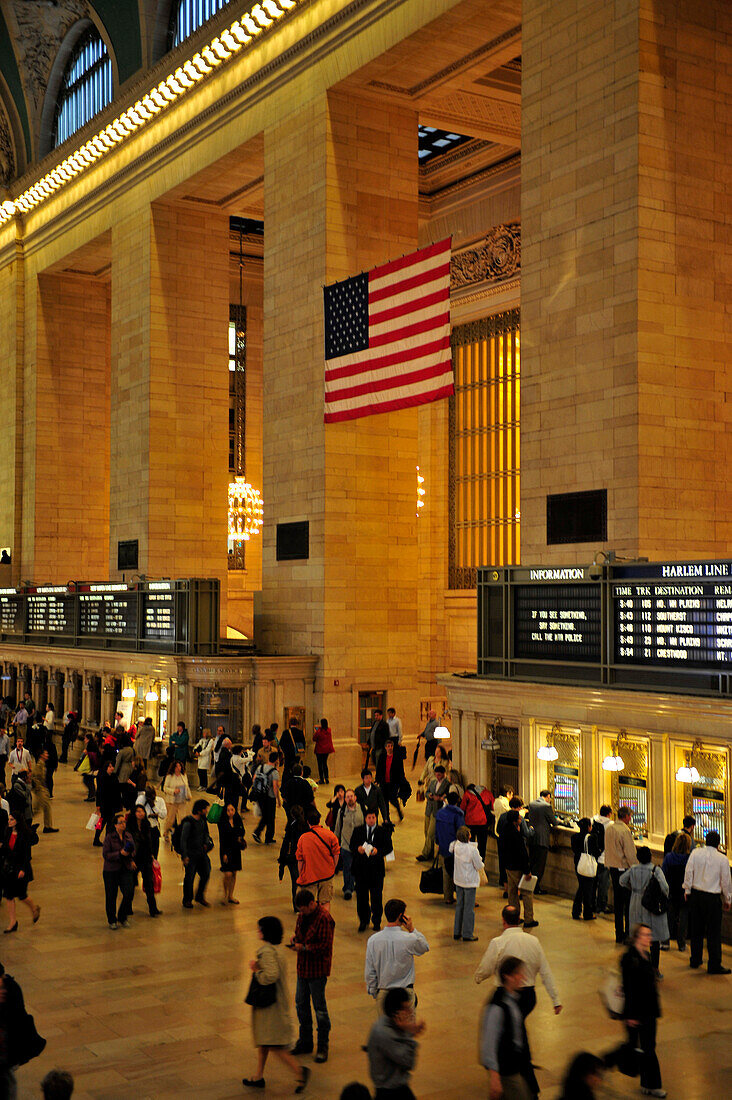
619	856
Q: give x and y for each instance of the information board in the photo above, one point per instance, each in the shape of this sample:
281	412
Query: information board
681	622
557	622
108	611
50	611
178	616
159	613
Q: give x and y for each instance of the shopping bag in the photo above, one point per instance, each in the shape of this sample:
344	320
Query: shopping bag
389	857
157	876
587	864
430	881
215	812
612	995
93	821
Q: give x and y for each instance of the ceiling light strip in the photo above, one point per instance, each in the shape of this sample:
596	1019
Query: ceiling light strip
221	49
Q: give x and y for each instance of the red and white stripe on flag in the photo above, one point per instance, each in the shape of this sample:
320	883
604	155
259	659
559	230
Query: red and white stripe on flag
407	359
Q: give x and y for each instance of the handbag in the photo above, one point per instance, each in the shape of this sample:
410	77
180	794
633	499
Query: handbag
260	996
85	766
93	821
420	796
430	881
612	995
157	877
215	813
587	864
654	899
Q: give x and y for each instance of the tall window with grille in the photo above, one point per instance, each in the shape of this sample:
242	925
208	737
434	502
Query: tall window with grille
237	412
189	15
86	87
485	507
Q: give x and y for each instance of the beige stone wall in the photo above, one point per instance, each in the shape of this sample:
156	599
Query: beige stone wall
579	281
685	278
71	430
170	316
11	438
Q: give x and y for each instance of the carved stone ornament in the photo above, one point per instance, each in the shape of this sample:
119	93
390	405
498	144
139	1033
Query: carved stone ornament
7	151
496	259
41	30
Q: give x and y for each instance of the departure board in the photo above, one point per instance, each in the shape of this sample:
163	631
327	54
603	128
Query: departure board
683	622
108	610
12	612
159	612
50	611
557	622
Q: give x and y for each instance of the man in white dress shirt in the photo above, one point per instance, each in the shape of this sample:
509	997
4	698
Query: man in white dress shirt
390	954
515	943
395	725
708	889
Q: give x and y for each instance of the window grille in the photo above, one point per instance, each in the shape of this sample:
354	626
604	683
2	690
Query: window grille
86	87
189	15
485	505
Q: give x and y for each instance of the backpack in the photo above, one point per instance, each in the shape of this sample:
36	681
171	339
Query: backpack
261	784
176	835
653	898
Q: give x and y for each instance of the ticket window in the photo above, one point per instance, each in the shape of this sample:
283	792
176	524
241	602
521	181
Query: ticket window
566	790
629	787
707	798
563	773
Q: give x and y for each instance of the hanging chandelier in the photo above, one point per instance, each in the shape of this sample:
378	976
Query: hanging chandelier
688	773
614	762
245	510
548	752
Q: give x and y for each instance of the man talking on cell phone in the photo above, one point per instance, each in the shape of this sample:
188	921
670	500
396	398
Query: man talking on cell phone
390	954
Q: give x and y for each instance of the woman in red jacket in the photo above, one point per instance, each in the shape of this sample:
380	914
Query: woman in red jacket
323	740
478	809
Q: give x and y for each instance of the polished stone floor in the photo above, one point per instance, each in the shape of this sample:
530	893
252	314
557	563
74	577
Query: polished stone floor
156	1012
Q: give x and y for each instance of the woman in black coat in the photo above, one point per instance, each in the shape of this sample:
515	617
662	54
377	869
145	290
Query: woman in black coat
109	799
391	761
584	841
17	873
642	1008
231	846
139	829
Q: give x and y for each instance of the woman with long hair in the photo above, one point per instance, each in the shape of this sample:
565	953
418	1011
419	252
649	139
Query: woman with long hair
271	1024
17	873
231	846
138	827
642	1010
109	799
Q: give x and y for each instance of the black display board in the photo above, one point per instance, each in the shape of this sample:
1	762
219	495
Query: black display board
641	625
180	616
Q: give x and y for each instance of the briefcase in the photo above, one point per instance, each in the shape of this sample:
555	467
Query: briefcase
430	881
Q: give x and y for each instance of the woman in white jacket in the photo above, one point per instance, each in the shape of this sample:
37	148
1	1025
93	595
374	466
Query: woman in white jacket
466	876
177	795
203	752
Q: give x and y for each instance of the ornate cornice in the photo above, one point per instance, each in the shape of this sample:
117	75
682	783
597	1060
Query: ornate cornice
495	259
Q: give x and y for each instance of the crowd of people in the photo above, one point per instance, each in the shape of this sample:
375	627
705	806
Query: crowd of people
139	801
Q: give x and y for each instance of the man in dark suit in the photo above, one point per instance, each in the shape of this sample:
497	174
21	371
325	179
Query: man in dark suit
370	843
390	774
378	737
370	797
542	820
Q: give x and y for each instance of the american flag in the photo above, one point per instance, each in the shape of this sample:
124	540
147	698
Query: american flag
387	336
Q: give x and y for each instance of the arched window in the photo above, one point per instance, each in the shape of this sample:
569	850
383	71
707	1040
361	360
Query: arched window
86	87
189	15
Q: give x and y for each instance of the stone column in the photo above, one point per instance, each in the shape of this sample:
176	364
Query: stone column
170	392
108	700
626	282
12	350
340	198
70	441
68	691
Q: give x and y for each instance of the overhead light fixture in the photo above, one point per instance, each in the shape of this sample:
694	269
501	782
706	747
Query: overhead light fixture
151	696
614	762
128	693
548	752
441	733
245	510
420	492
687	773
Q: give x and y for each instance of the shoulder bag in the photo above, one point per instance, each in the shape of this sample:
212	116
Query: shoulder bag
430	881
587	864
260	996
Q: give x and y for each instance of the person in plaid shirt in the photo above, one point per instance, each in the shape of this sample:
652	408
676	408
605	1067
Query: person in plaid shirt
313	941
